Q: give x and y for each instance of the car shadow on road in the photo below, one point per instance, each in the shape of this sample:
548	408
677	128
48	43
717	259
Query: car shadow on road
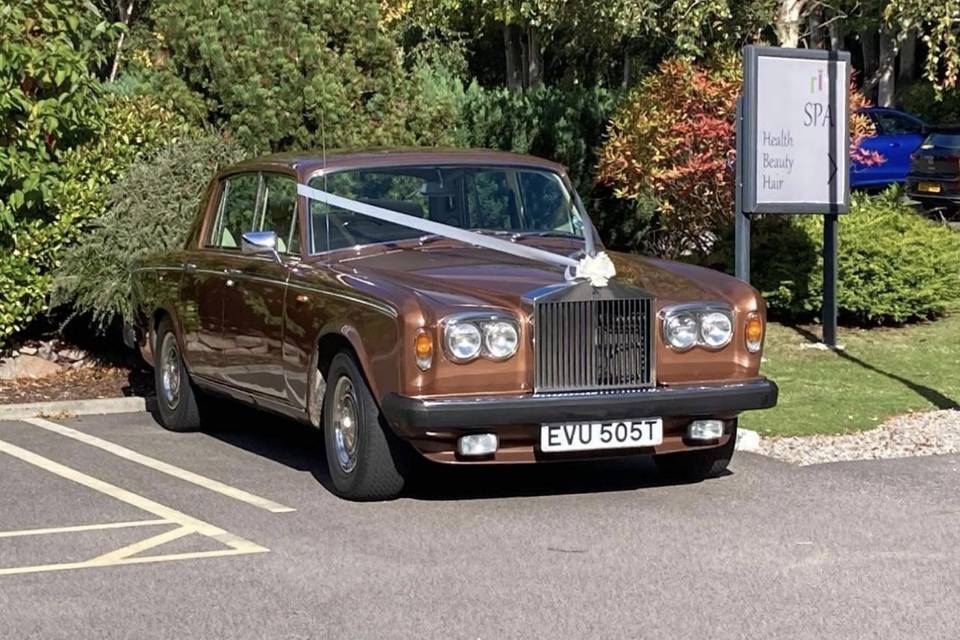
931	395
439	482
300	447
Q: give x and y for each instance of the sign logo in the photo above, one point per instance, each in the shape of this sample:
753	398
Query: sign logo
816	82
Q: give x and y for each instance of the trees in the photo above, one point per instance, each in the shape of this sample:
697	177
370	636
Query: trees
939	22
289	73
50	53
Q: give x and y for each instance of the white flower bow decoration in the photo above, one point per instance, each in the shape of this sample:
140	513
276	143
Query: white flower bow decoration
598	269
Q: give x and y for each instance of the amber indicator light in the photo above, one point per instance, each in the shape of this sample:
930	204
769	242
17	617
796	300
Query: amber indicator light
423	348
754	331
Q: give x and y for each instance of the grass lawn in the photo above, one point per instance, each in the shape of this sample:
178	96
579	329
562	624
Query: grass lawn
882	372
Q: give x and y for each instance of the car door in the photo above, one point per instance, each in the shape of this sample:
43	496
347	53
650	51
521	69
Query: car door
203	286
900	135
255	294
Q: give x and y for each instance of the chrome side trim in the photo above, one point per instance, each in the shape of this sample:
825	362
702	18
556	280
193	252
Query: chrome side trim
378	306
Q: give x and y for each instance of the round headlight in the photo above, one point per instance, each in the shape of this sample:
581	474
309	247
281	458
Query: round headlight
463	341
716	329
500	339
680	331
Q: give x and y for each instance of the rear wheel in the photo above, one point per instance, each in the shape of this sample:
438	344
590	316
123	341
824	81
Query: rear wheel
366	460
177	400
700	464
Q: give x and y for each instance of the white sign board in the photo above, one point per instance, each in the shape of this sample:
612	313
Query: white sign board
796	131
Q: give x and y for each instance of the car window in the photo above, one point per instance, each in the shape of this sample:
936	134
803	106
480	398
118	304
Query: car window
486	198
546	202
492	202
942	140
238	207
335	228
892	124
279	212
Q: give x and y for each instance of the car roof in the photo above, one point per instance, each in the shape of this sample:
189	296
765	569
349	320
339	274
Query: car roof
310	162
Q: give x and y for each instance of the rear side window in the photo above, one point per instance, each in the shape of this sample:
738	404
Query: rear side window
238	208
893	124
942	140
280	211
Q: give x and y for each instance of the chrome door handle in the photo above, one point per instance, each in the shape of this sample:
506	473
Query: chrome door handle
230	283
189	266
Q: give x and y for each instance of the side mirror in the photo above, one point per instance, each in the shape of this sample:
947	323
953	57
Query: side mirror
260	242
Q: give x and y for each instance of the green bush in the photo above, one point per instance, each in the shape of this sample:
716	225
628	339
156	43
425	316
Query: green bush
130	126
564	125
284	74
895	265
50	101
148	211
920	99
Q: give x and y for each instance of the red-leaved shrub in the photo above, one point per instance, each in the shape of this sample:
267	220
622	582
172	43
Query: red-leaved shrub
670	149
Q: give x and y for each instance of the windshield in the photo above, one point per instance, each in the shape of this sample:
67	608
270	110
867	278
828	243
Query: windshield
506	200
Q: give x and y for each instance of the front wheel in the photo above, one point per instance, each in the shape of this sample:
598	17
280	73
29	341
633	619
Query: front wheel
177	401
365	459
700	464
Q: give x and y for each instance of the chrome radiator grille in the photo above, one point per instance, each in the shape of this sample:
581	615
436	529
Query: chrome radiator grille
593	345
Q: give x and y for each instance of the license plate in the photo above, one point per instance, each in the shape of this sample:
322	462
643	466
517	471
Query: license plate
591	436
930	187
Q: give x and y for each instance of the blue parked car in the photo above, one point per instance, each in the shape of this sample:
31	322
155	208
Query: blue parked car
899	134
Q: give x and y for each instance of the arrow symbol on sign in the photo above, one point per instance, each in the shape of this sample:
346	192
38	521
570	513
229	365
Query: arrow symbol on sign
833	168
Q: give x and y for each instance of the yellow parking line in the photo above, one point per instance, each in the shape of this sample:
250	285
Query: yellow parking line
82	527
159	465
157	509
143	545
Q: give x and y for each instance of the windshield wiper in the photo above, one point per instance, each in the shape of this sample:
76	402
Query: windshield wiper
545	234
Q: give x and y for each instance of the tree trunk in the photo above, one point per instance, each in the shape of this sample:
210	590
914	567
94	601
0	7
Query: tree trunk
836	36
868	40
818	39
514	78
886	88
626	68
125	17
908	57
787	22
534	59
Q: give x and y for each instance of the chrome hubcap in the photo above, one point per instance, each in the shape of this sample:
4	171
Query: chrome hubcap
170	371
345	424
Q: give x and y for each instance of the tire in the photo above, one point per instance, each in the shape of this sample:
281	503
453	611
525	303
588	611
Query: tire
694	466
365	458
177	399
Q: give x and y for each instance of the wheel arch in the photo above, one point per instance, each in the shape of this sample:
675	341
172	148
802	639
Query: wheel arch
148	347
332	341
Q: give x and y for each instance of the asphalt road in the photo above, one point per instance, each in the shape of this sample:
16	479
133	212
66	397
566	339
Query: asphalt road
101	542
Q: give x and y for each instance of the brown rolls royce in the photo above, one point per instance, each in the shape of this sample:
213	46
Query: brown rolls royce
455	305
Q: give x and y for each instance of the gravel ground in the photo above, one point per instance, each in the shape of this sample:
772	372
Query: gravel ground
915	434
88	382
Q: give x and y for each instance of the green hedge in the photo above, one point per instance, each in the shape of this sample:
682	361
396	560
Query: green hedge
565	125
895	265
148	211
34	247
921	100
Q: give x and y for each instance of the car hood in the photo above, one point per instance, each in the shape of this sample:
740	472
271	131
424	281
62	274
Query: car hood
458	275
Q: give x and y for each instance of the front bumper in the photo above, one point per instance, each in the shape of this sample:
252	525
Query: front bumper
411	416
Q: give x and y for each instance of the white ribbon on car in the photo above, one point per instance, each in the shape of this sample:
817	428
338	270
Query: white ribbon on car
598	268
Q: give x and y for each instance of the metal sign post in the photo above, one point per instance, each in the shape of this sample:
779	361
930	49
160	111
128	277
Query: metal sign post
742	228
792	149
